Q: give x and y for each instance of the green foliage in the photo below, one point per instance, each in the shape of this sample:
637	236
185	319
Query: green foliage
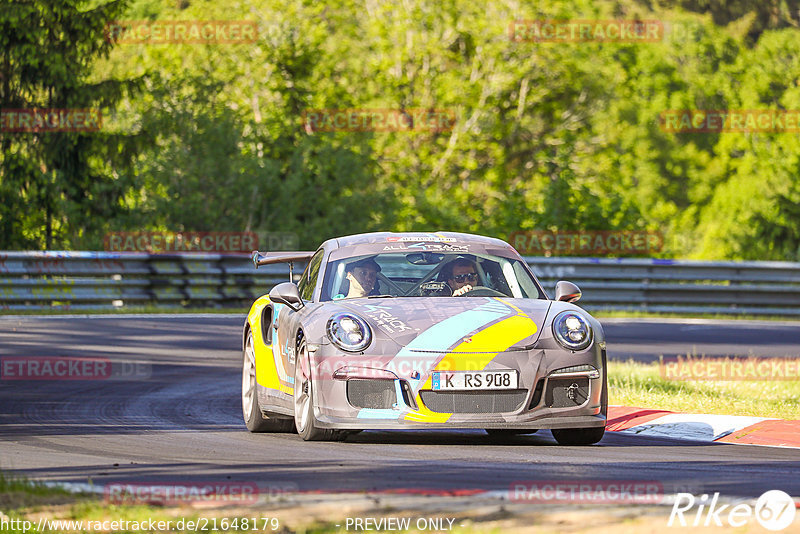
638	384
559	136
752	17
57	186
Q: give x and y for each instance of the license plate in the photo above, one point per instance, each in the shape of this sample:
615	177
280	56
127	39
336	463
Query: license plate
473	380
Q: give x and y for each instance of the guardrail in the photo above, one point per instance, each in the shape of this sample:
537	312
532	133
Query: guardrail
41	280
77	280
680	286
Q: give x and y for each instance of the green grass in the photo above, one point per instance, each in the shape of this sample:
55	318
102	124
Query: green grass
18	492
21	499
641	385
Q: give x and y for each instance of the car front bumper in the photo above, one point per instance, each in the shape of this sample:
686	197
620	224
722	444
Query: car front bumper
542	400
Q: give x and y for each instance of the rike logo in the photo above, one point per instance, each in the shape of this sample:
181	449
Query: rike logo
774	510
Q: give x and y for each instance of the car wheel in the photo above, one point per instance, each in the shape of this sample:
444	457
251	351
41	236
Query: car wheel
254	419
304	419
578	436
502	432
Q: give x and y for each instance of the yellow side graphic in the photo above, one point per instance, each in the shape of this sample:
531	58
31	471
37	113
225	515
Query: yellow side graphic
503	334
424	415
266	373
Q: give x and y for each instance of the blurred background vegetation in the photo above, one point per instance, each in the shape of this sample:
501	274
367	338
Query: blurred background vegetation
548	136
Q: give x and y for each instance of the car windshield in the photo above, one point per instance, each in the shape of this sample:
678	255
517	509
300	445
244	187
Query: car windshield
428	274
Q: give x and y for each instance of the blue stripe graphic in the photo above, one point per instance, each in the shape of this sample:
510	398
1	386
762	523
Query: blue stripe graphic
447	333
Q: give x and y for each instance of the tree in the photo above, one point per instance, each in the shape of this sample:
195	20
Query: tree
57	186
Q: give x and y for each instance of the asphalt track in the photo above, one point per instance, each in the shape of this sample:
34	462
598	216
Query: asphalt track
181	421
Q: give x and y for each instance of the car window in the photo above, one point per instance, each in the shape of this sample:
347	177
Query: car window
411	274
309	279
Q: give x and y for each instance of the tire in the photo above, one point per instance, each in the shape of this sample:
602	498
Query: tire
304	419
254	419
579	436
502	433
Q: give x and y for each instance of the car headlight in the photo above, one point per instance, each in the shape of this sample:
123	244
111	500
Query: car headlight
572	331
349	332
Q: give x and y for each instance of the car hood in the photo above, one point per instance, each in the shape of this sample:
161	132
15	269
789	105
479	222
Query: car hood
452	324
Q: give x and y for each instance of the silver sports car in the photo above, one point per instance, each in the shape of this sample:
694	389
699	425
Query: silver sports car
417	330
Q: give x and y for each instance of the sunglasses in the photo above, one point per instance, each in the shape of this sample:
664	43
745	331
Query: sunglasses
464	277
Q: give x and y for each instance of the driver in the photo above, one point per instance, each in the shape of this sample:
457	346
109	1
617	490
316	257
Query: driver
362	276
461	275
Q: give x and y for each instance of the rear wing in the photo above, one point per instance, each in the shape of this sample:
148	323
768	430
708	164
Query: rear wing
268	258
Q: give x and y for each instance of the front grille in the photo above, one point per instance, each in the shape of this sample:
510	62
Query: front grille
377	394
501	401
566	392
537	394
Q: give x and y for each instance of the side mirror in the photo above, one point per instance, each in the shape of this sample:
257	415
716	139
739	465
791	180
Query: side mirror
567	291
286	293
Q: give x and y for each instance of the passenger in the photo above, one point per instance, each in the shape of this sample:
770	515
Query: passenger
363	278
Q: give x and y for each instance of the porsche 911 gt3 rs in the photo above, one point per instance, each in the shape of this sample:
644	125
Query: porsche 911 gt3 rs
415	330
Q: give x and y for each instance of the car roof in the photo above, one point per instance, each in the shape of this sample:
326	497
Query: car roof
389	237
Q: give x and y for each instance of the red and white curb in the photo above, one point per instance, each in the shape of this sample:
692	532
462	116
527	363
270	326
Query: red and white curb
704	427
